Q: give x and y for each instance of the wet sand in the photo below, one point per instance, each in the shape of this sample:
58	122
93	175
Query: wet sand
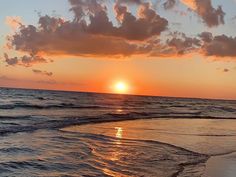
215	138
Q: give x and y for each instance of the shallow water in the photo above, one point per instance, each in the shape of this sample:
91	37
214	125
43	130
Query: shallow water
39	136
57	153
214	138
206	136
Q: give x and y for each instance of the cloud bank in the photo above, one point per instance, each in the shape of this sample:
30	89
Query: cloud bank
91	33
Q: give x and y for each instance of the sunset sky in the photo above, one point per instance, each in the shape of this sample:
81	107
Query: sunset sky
183	48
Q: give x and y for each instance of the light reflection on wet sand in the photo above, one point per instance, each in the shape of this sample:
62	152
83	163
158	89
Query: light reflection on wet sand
207	136
200	135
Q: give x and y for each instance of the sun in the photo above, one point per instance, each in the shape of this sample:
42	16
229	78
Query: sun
121	87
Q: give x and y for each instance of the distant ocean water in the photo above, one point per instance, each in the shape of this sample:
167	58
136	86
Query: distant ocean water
32	143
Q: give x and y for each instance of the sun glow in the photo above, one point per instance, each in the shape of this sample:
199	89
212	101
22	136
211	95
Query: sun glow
120	87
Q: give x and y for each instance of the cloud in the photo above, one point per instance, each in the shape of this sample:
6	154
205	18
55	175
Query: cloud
70	39
25	60
210	15
206	36
6	79
205	44
147	24
83	7
169	4
225	70
90	33
48	82
130	1
36	71
14	21
219	46
175	46
184	44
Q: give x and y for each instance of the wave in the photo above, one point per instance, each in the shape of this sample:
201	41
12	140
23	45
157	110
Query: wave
32	123
15	150
61	106
98	155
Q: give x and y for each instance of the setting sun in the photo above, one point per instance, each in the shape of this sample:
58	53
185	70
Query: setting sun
120	87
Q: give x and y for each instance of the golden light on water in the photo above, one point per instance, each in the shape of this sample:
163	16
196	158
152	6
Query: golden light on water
119	132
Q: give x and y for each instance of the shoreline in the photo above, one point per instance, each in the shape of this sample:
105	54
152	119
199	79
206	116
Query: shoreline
221	160
211	137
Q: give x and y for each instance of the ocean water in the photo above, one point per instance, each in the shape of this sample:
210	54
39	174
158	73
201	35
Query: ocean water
34	141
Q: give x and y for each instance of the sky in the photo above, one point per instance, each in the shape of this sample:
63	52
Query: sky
182	48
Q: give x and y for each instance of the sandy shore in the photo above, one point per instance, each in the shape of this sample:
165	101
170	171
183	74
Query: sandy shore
215	138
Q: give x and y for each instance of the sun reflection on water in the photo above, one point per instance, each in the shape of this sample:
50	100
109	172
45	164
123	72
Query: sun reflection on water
119	110
119	132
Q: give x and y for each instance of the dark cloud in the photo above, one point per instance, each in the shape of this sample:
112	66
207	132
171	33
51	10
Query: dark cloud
205	43
46	73
11	61
225	70
182	44
169	4
147	24
24	60
130	1
206	36
220	46
211	16
90	33
132	28
83	7
71	39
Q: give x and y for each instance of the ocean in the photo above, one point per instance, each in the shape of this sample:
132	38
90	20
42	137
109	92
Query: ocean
40	135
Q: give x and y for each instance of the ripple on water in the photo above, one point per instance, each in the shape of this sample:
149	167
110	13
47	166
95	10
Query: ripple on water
57	153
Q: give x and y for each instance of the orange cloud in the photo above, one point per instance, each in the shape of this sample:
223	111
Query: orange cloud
96	37
13	21
190	3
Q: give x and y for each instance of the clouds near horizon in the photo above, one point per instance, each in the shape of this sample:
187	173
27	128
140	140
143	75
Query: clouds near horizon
25	60
46	73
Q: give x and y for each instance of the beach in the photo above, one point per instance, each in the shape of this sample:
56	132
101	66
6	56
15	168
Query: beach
118	88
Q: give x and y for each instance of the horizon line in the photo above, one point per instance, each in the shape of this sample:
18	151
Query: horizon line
126	94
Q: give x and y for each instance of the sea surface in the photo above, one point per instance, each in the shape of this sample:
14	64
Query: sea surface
56	133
